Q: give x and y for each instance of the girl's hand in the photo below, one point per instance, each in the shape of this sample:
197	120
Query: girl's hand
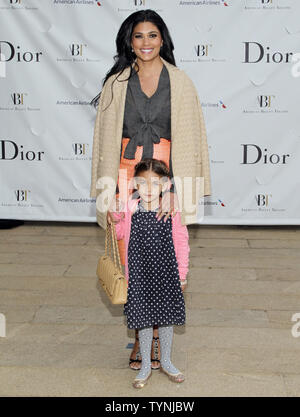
183	286
169	206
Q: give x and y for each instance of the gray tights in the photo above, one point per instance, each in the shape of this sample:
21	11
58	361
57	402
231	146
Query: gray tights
165	334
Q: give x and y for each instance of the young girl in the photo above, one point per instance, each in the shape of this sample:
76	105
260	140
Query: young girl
156	264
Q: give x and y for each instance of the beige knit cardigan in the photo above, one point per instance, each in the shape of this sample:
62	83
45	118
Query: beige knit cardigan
189	150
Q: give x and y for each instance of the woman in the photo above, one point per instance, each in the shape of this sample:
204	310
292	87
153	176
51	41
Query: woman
148	108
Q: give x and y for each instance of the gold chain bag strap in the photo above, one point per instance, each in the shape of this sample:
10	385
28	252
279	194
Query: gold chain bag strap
109	273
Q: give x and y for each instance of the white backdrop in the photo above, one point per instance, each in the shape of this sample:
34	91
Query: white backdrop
55	54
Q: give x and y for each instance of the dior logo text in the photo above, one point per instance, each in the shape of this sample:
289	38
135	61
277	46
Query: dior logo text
9	150
255	52
252	154
11	52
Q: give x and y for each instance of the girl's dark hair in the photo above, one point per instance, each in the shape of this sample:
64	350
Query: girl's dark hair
149	164
125	57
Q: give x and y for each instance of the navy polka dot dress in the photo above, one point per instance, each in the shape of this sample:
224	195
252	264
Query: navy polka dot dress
154	292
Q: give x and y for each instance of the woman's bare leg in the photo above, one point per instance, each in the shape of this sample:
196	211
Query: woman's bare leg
135	357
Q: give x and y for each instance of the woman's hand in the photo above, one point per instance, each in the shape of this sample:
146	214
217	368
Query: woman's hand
169	205
110	218
116	205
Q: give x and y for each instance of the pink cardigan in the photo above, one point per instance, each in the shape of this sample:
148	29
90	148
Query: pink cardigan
179	233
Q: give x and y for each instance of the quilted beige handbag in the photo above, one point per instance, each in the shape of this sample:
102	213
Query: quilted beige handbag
109	273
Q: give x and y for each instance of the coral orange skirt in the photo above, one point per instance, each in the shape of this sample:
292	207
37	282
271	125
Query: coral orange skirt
161	151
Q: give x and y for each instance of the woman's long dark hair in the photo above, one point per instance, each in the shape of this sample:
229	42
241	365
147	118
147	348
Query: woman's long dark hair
125	57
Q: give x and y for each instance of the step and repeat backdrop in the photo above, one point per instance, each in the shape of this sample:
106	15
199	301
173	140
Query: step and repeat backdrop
243	56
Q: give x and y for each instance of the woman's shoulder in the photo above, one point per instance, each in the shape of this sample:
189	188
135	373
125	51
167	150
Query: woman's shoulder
188	82
111	84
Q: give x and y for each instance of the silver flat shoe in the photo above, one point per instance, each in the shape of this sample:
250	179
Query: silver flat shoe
140	383
174	377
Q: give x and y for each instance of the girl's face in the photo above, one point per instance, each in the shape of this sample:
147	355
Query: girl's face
146	41
149	186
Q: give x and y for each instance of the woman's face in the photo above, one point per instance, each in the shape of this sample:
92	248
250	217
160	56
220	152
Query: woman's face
146	41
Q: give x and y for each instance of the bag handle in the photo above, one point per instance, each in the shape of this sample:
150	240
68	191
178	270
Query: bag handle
112	235
107	240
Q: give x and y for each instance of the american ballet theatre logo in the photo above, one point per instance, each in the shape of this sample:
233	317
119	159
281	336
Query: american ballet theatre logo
77	52
23	198
18	102
264	203
80	152
262	200
202	52
18	98
135	5
265	104
20	5
267	5
80	148
22	195
76	49
265	100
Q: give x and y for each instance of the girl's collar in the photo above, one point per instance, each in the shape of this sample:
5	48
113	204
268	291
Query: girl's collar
142	208
134	204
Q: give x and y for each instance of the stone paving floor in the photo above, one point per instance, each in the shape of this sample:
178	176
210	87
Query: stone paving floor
64	339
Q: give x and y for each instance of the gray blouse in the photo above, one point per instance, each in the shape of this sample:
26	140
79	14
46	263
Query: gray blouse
147	119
